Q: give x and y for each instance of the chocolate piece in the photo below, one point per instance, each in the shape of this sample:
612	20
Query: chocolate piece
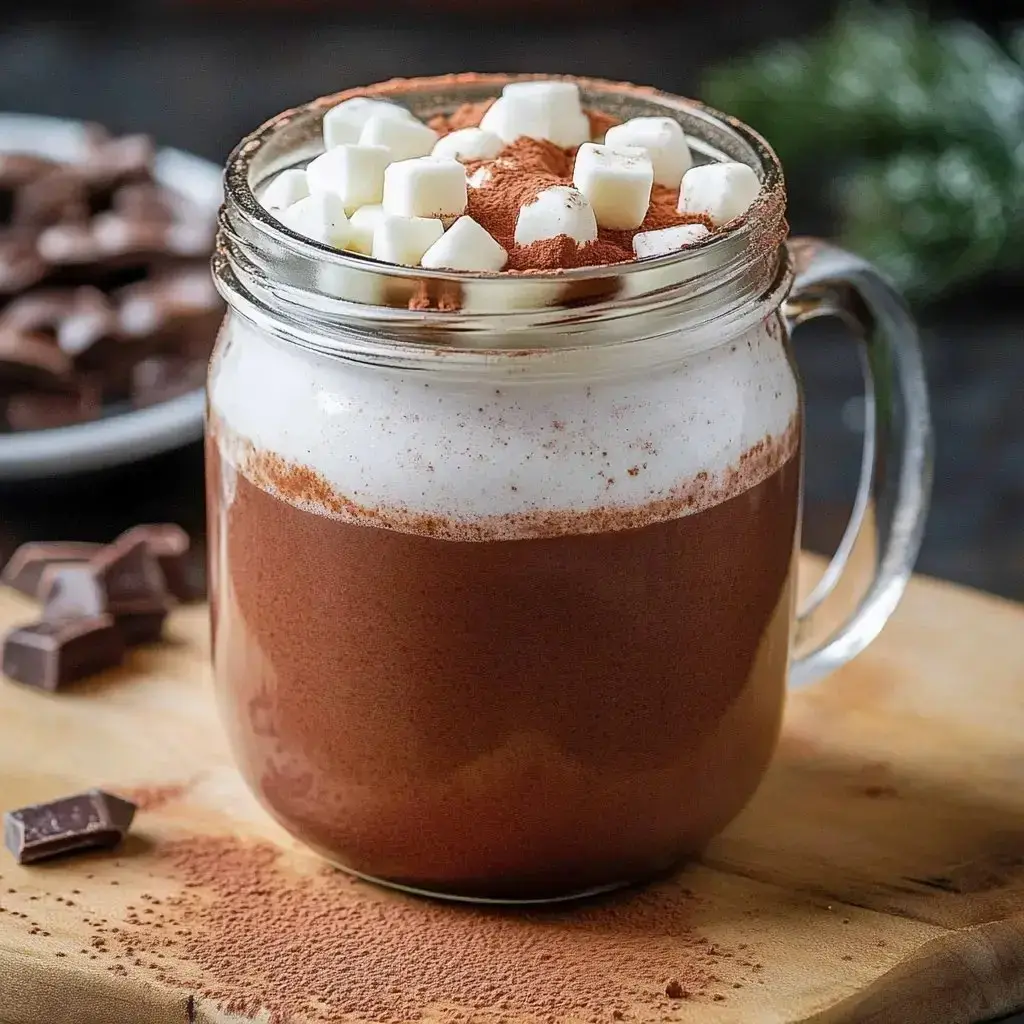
49	654
169	545
37	410
30	360
113	162
38	312
141	627
131	577
21	266
24	569
54	198
17	169
89	331
146	201
160	378
93	820
179	310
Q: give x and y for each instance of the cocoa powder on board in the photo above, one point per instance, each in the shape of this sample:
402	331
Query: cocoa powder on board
251	934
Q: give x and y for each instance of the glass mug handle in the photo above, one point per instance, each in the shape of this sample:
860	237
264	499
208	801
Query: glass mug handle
873	563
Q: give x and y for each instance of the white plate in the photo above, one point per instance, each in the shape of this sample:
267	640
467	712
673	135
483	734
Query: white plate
126	436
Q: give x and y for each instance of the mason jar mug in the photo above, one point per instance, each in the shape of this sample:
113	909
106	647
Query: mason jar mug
503	566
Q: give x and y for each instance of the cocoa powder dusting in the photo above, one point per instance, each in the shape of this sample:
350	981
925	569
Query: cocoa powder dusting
152	798
528	166
252	935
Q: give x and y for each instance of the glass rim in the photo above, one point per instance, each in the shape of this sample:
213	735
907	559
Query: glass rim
239	187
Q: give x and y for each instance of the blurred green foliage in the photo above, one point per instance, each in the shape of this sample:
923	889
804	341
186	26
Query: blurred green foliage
921	125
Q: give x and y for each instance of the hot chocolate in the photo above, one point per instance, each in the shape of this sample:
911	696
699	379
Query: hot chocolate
570	678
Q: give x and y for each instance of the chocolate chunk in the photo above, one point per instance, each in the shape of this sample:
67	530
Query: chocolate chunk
112	162
38	312
89	331
93	820
141	627
18	169
47	655
31	360
21	266
161	378
54	198
146	201
123	579
24	569
169	544
131	577
37	410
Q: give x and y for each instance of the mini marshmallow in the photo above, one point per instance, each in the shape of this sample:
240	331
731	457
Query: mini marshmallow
363	223
465	246
288	187
664	240
539	110
617	183
404	239
559	210
468	144
723	191
352	172
320	217
344	123
406	138
664	142
425	187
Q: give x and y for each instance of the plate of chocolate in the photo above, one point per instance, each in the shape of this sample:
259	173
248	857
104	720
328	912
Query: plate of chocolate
108	312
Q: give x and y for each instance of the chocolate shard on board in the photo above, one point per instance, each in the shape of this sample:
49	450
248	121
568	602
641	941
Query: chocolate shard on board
93	820
48	655
131	577
24	569
169	544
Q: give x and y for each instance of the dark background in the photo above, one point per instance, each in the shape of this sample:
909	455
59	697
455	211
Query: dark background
200	75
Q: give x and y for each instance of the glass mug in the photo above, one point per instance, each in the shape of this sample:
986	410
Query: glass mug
503	567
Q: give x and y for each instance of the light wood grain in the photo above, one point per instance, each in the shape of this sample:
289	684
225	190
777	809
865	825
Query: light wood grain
878	876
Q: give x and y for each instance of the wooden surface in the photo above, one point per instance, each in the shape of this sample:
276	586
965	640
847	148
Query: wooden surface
877	877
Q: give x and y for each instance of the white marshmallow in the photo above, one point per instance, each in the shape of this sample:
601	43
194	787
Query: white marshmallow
465	246
404	239
664	142
558	210
320	217
405	138
363	223
425	187
286	188
353	173
468	144
723	191
664	240
617	183
343	124
539	110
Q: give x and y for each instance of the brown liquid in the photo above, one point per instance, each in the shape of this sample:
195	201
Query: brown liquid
511	718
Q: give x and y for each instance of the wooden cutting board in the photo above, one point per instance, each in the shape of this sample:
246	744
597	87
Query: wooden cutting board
878	876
